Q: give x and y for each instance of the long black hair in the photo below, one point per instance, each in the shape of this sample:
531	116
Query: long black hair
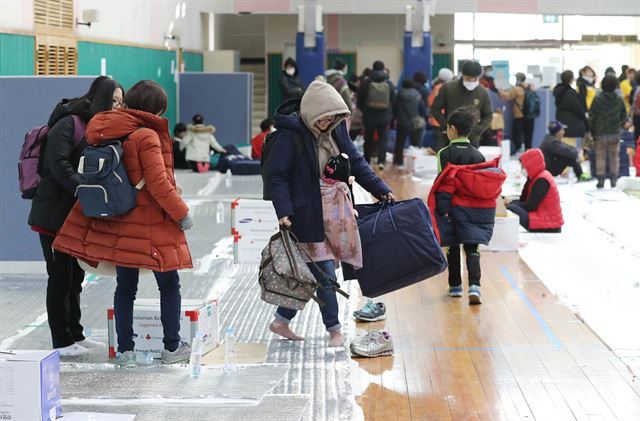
99	98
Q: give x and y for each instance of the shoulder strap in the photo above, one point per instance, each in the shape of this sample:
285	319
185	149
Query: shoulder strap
79	128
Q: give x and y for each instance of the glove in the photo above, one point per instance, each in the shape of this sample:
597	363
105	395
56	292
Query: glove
186	223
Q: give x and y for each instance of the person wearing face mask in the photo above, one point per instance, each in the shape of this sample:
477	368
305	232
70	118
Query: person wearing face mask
444	75
539	207
586	87
306	204
290	84
465	92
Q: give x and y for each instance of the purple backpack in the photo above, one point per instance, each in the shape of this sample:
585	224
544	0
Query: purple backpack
30	155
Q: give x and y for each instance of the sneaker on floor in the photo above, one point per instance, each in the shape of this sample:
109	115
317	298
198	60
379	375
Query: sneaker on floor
371	312
584	177
336	340
126	360
74	350
455	291
381	167
373	344
474	295
180	355
90	343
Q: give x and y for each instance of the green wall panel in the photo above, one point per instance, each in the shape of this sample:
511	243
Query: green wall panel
274	70
192	62
440	61
129	65
17	55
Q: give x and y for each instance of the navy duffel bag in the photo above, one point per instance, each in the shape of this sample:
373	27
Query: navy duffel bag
399	247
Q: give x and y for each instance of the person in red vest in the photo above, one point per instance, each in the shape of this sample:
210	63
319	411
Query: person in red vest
257	142
539	205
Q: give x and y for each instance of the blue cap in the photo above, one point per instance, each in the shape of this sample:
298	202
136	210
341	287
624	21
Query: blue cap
555	126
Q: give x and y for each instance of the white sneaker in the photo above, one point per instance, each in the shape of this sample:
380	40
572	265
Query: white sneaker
74	350
90	343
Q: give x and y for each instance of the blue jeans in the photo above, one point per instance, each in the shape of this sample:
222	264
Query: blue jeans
326	294
125	295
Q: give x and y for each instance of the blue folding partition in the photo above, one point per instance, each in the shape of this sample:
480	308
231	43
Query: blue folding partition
417	58
25	102
224	100
310	60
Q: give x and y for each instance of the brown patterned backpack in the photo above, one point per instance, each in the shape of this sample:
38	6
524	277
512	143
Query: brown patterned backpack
285	278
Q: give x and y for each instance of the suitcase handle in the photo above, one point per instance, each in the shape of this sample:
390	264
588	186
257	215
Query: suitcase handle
388	205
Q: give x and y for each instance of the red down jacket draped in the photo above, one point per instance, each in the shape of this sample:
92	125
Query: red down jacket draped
462	202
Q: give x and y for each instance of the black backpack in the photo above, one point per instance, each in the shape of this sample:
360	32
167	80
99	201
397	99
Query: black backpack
266	157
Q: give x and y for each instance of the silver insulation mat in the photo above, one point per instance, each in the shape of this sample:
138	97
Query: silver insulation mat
271	408
98	381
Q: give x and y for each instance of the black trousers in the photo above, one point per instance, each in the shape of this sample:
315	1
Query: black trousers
373	148
523	214
473	264
559	163
415	136
440	137
63	295
522	132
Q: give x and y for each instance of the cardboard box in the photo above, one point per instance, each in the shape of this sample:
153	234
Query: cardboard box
253	217
196	315
30	385
505	234
248	249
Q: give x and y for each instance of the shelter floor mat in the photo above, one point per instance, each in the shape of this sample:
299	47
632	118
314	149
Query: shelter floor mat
271	407
97	381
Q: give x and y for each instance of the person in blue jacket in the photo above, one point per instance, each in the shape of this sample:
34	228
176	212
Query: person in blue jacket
293	177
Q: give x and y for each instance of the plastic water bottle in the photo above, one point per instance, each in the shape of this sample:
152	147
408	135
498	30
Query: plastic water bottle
219	213
148	358
230	351
227	179
195	362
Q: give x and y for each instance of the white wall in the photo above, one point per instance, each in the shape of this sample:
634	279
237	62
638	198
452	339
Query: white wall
590	7
135	21
16	14
143	21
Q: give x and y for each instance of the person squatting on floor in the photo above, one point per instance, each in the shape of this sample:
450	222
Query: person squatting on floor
150	236
52	203
198	143
301	197
460	151
559	155
539	205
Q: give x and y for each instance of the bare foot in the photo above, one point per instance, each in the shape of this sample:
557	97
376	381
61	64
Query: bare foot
284	331
336	339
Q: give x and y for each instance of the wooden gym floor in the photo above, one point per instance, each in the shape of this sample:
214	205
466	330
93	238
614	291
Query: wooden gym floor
521	355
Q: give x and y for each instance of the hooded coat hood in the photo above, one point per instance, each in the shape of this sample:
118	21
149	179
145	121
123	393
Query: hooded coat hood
320	101
533	161
66	107
121	123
